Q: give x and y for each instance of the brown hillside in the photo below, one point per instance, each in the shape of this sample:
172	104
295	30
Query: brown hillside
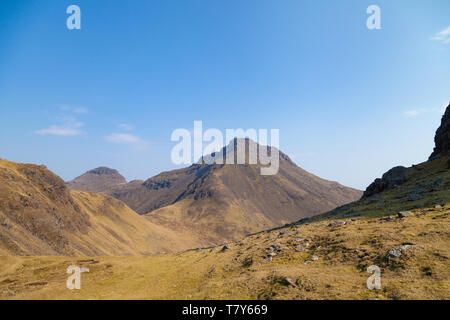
224	201
39	215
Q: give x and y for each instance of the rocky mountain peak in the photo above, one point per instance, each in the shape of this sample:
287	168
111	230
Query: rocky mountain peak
103	170
442	138
97	180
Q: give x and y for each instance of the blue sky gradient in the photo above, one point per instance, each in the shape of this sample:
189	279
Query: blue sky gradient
350	103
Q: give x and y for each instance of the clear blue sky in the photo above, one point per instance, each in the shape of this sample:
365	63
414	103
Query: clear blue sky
350	103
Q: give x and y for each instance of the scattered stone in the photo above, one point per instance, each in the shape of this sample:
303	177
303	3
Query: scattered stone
303	245
198	249
6	223
394	253
315	258
404	214
397	252
225	247
271	254
336	224
438	206
289	281
406	247
269	259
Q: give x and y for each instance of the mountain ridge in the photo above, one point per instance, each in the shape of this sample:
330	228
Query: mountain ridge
227	201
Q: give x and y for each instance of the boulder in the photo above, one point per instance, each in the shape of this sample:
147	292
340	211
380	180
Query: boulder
336	224
391	179
394	253
404	214
289	281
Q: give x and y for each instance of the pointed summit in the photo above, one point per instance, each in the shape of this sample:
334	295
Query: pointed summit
243	151
97	180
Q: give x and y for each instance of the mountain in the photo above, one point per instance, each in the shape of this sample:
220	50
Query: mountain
40	215
401	225
220	202
97	180
442	138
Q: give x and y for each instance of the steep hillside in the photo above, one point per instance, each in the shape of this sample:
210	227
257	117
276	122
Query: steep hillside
39	215
97	180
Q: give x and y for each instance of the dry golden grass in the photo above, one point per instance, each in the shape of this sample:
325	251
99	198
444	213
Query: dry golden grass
39	215
243	272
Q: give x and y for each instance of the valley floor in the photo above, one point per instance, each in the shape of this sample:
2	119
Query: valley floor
321	260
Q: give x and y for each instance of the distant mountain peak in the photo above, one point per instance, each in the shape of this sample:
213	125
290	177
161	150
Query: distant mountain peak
249	146
103	170
97	180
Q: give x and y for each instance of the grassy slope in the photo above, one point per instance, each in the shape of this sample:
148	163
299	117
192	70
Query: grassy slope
242	272
39	215
430	179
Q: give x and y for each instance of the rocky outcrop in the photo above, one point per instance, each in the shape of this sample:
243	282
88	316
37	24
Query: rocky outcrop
442	138
394	177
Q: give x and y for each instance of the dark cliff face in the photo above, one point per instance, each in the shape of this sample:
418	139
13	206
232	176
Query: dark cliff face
442	138
391	179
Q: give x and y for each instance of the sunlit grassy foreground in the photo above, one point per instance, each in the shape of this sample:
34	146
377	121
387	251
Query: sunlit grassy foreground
243	271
